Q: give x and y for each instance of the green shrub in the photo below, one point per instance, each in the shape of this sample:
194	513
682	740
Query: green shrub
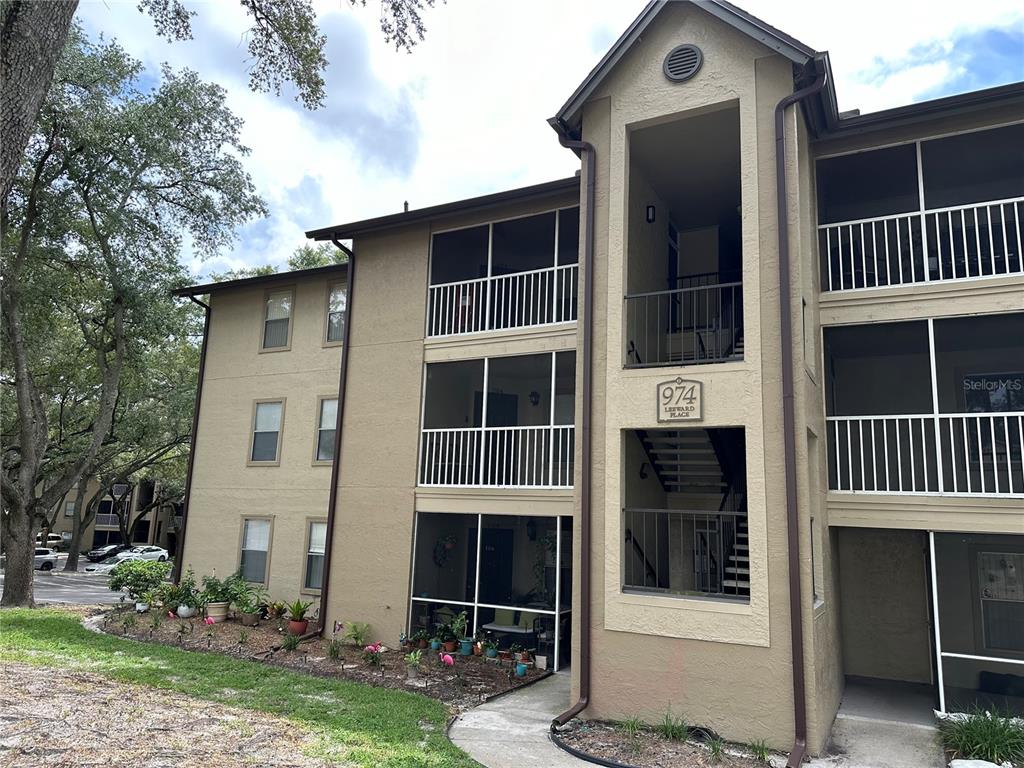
673	728
297	610
290	642
334	649
983	736
716	747
137	577
632	726
358	633
760	750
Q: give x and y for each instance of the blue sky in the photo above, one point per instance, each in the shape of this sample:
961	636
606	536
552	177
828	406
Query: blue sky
465	112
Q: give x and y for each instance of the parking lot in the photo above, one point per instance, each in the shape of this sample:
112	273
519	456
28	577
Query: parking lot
72	588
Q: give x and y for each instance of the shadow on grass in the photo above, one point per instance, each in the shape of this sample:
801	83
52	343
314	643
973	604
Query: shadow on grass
355	723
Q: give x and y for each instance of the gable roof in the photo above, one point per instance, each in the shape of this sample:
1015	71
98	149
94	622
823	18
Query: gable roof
801	54
249	282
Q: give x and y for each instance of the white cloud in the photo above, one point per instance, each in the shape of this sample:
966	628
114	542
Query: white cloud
470	103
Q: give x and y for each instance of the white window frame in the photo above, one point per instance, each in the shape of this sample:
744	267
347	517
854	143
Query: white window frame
267	296
317	461
252	433
269	520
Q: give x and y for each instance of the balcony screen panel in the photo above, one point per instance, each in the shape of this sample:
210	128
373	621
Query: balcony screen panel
979	363
452	390
569	236
519	391
877	370
518	562
445	557
974	167
458	255
565	387
868	184
523	244
432	616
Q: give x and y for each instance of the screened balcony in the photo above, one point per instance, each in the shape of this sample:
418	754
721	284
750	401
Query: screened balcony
521	435
517	273
684	277
927	407
939	210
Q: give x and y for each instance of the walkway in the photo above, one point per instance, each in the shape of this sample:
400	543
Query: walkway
512	730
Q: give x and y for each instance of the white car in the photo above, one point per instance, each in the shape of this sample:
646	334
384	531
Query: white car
110	563
52	540
45	559
149	552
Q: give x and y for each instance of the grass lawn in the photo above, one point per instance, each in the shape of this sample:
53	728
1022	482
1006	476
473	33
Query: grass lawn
355	724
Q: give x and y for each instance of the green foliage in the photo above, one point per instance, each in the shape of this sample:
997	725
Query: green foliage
632	727
297	610
228	590
249	598
761	750
137	577
717	748
334	649
983	735
459	624
309	256
290	642
187	592
358	725
414	658
673	728
357	633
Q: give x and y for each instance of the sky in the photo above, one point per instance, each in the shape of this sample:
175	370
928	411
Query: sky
465	112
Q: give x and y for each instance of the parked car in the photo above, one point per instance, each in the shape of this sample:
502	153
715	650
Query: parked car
45	559
110	563
52	540
150	552
102	553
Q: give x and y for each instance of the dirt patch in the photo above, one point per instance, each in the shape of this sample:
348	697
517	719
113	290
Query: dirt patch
646	748
469	682
53	718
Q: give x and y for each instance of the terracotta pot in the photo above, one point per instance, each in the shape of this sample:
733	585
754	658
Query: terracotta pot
217	611
524	657
249	619
297	627
478	649
450	645
421	643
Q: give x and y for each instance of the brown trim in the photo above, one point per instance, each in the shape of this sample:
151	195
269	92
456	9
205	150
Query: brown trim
289	289
354	228
249	461
179	555
270	546
303	589
249	282
318	462
586	341
332	502
796	608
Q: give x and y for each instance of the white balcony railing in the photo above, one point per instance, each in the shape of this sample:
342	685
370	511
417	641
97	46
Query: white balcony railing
519	300
953	454
957	243
498	457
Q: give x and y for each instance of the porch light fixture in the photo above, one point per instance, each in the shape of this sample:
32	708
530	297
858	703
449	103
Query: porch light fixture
650	214
535	398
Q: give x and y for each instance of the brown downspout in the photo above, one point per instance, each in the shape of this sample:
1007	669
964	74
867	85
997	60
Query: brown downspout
332	502
585	439
179	554
799	750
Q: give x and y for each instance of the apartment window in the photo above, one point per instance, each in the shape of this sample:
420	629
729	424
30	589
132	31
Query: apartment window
325	432
255	550
336	301
266	432
277	320
315	548
69	509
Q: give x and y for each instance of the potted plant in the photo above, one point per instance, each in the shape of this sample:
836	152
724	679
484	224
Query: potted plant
413	659
247	604
490	648
505	654
188	595
459	632
139	578
521	669
435	643
217	596
448	638
421	638
276	610
148	598
297	621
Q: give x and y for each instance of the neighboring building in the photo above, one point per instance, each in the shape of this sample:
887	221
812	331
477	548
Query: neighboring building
158	527
460	483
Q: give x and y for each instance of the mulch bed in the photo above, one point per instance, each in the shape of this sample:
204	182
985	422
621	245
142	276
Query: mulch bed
648	749
471	681
55	718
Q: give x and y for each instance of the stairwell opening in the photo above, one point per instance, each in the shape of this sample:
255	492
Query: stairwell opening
685	513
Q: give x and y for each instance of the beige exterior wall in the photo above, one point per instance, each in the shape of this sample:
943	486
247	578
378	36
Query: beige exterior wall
225	488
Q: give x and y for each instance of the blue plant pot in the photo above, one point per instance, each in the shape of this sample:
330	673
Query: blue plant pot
435	645
466	647
491	653
521	669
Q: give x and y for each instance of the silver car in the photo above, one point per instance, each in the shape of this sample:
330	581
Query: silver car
45	559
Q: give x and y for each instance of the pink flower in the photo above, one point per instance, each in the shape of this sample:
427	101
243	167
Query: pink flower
209	620
447	660
170	614
372	648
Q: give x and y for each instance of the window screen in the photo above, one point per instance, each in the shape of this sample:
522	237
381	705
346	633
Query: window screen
325	432
867	184
255	548
336	313
315	555
278	315
266	431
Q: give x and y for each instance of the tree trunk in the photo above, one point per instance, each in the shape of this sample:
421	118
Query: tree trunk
32	37
78	526
17	532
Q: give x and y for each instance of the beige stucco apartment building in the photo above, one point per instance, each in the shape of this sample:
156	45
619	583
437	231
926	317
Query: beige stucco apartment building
709	426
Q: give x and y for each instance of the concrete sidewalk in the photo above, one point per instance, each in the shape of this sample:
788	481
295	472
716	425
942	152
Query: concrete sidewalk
512	730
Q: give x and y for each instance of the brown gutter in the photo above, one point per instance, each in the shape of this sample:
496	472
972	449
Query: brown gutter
799	750
585	437
332	502
179	554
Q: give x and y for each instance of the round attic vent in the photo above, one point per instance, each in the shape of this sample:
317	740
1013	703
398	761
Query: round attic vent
682	62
